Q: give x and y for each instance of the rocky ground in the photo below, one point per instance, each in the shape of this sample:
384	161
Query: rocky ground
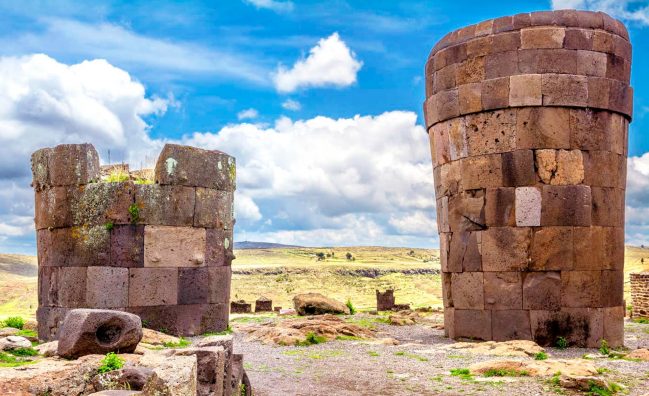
420	364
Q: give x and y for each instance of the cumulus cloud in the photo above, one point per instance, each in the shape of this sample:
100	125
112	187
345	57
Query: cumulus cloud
274	5
247	114
627	10
292	105
330	63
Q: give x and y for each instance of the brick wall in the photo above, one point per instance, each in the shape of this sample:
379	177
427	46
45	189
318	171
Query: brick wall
528	123
161	250
640	294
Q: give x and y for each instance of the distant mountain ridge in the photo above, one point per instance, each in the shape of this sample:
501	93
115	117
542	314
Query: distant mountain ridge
261	245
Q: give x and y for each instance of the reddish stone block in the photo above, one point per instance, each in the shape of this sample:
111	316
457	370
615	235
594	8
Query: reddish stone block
444	244
473	324
467	290
501	64
193	286
552	249
74	247
438	135
450	178
506	42
219	279
511	325
52	207
499	207
164	205
219	245
166	246
484	28
447	296
591	63
564	90
581	289
185	320
578	39
608	206
566	205
542	37
491	132
107	287
503	290
581	327
153	286
466	211
539	127
589	248
194	167
444	78
614	26
543	18
587	325
590	130
603	42
620	97
72	164
618	128
471	70
481	172
540	61
613	247
464	253
449	322
62	287
40	168
522	21
431	113
49	321
598	92
542	290
103	203
448	104
518	168
525	90
503	24
442	215
127	246
214	208
612	292
617	68
479	47
613	323
505	248
458	145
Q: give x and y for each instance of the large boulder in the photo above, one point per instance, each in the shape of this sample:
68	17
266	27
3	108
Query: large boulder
317	304
14	342
172	375
639	354
98	331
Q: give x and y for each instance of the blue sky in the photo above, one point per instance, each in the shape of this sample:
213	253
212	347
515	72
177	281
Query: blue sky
319	102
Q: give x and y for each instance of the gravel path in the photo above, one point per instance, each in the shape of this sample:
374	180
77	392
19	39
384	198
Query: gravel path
418	366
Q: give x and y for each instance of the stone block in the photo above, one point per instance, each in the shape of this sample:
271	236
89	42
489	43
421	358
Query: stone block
613	247
457	141
578	39
219	245
470	98
447	296
503	24
552	249
541	61
107	287
442	215
590	248
581	289
193	285
166	246
164	205
613	323
449	178
431	114
444	244
219	279
499	207
560	167
153	286
503	290
618	128
52	207
588	326
495	93
511	324
473	324
612	291
525	90
505	248
591	63
608	206
103	203
50	320
522	20
581	327
620	97
448	105
41	168
491	132
465	252
539	127
542	37
564	90
214	208
210	368
74	247
62	287
599	90
467	290
480	46
518	168
127	246
566	205
449	322
444	78
528	206
481	172
185	320
466	211
542	291
506	42
194	167
617	68
438	135
67	165
471	70
590	129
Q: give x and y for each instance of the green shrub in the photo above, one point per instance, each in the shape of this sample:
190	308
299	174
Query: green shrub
134	211
109	226
603	347
352	309
312	339
463	373
541	356
15	321
562	343
182	343
117	176
110	362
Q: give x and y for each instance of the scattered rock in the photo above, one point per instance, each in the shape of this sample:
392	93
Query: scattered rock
90	331
403	318
14	342
522	348
317	304
287	311
210	361
172	375
640	354
8	331
388	341
48	349
30	324
583	383
295	331
152	337
132	378
538	368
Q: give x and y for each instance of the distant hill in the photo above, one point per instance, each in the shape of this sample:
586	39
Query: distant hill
261	245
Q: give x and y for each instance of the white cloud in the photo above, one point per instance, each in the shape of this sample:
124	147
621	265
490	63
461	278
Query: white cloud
627	10
245	208
330	63
292	105
414	223
247	114
274	5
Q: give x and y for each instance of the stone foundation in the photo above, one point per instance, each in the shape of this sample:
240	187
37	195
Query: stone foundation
159	248
640	295
528	122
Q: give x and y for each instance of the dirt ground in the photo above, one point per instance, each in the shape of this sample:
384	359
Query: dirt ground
418	366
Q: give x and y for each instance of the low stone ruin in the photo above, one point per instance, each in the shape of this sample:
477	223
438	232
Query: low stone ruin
384	300
264	304
159	248
528	120
240	306
640	295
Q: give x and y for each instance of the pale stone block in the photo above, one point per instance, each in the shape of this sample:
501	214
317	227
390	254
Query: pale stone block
166	246
528	207
525	90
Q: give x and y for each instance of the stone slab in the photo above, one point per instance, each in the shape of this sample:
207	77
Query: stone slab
166	246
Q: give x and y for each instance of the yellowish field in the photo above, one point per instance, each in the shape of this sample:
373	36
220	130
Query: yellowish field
281	273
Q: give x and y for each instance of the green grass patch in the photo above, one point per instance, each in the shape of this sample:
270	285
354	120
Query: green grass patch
134	211
182	343
9	360
562	343
603	347
27	333
23	352
641	320
312	339
15	321
595	389
348	338
462	373
541	356
350	305
505	373
373	353
110	362
411	355
227	331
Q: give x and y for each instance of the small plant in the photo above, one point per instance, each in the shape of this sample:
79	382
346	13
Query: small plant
641	320
9	360
182	343
350	305
110	362
27	333
23	352
594	389
109	226
373	353
348	338
143	181
228	330
15	321
505	373
242	390
541	356
562	343
603	347
602	370
134	211
320	256
312	339
117	176
463	373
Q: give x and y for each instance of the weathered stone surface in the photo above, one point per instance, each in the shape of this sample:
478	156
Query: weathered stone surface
185	320
127	246
166	246
491	132
607	207
525	90
225	342
193	285
96	331
474	324
499	206
164	205
172	375
564	90
219	279
62	287
219	245
470	98
528	206
213	208
495	92
465	252
566	205
542	37
132	378
190	166
74	247
385	300
560	167
466	211
537	368
552	249
317	304
518	168
517	348
153	286
481	172
240	306
542	290
581	288
500	65
541	127
107	287
511	325
467	290
12	342
503	290
544	61
263	304
65	165
505	248
210	368
580	326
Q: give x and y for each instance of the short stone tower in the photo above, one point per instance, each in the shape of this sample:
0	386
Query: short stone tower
528	120
159	248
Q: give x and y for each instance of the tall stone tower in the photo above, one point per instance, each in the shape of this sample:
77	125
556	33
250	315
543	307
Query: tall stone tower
528	120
